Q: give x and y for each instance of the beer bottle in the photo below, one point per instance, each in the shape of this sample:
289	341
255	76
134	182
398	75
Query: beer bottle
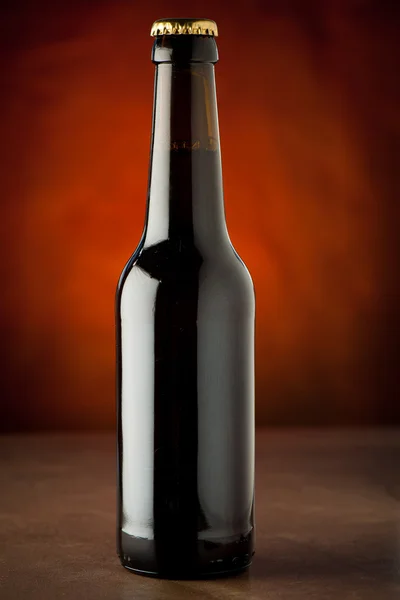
185	340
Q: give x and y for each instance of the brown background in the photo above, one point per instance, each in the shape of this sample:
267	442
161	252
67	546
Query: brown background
309	114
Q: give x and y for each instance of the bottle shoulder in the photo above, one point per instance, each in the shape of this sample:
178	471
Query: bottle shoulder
178	259
219	270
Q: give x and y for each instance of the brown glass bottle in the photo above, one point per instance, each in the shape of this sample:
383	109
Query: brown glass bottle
185	346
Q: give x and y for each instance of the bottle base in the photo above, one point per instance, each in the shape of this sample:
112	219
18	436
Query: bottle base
205	559
189	576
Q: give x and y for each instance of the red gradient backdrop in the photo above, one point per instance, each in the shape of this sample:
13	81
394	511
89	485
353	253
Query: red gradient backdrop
308	100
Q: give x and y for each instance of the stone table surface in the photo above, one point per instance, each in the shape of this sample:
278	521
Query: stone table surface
327	510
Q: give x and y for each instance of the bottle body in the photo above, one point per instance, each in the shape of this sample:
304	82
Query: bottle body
185	357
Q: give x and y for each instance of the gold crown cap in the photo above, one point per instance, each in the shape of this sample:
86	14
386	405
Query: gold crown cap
184	27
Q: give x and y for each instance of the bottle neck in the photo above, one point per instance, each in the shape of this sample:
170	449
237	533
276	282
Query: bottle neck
185	199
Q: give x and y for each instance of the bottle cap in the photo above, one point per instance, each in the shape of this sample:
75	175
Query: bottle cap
184	27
